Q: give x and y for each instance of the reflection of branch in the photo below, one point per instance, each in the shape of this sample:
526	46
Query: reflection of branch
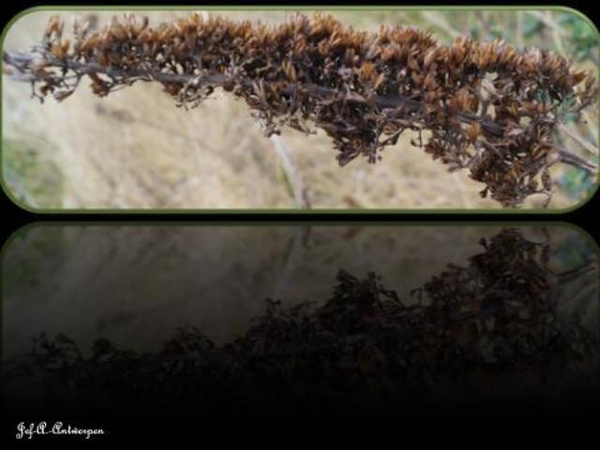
576	273
297	248
484	321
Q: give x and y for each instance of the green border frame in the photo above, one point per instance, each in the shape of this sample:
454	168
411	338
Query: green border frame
289	211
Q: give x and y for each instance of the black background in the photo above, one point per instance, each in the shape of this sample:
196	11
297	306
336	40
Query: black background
461	429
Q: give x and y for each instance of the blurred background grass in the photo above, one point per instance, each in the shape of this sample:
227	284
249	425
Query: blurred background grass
135	149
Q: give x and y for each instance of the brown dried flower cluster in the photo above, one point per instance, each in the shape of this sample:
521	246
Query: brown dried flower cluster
483	106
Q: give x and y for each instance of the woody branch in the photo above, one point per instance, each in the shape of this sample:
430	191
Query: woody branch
379	84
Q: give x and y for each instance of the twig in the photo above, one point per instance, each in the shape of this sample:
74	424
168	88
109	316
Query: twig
440	22
557	31
353	106
577	161
23	62
291	172
585	144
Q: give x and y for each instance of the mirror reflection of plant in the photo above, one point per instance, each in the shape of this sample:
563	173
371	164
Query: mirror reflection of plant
492	318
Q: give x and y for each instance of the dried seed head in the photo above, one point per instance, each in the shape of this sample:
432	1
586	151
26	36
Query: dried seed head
474	131
54	28
354	85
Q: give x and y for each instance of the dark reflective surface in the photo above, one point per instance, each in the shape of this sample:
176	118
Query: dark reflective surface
221	320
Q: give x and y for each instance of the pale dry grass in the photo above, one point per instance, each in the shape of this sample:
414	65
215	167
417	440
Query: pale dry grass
135	149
